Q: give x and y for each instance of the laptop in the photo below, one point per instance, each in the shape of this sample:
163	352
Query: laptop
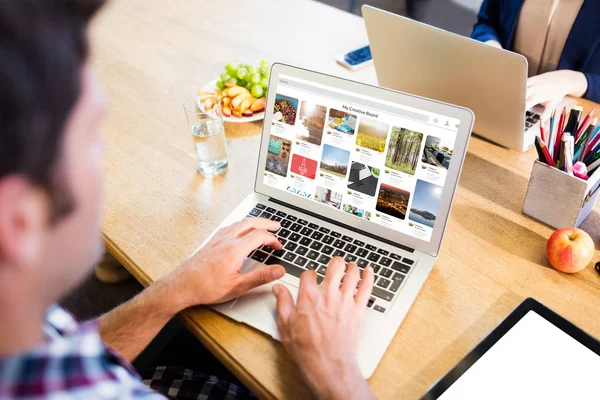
355	171
417	58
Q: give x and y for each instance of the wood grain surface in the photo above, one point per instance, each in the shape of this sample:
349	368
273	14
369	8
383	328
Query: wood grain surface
152	54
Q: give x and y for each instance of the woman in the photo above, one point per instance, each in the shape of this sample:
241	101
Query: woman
559	38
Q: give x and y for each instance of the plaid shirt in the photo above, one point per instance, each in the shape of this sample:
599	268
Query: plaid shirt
73	363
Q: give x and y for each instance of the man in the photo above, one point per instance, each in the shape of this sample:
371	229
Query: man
51	155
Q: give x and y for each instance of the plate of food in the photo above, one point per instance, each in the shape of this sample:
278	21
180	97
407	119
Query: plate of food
242	90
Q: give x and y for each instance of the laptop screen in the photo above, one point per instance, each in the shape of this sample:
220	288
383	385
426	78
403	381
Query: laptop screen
376	160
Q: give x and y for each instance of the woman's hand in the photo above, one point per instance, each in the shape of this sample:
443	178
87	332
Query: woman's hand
493	43
550	88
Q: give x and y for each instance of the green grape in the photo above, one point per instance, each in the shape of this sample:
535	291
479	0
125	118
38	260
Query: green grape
264	82
264	72
257	91
255	78
266	93
220	85
249	85
241	82
231	69
252	69
242	73
265	64
225	77
233	80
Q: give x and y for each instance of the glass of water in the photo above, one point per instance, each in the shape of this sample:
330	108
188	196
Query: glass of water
205	121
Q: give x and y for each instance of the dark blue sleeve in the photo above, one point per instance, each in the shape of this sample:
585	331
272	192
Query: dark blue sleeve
593	91
487	24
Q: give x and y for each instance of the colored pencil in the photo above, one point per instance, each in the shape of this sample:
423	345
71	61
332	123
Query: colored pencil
544	152
559	132
592	145
592	156
560	164
592	137
584	125
580	152
542	135
551	134
593	167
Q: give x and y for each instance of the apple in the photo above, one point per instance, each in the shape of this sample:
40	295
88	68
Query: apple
570	250
259	105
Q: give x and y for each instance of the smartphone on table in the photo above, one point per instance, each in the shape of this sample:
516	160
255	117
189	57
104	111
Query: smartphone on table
356	59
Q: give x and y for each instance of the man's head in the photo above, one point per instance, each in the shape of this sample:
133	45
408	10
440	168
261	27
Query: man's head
51	151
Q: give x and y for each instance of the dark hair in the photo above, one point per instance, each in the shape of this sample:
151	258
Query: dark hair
43	46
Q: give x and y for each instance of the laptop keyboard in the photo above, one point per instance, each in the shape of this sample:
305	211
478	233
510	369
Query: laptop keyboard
310	246
531	118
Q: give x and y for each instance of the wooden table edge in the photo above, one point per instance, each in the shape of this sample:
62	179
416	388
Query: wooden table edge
207	341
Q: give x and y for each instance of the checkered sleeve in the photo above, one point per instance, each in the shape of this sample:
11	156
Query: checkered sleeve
186	384
73	363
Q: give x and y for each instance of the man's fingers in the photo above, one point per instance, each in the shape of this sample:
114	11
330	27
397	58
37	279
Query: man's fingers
308	278
285	304
255	239
335	271
260	276
249	224
350	279
365	288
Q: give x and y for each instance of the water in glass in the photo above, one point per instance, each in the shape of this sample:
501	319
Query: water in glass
211	147
205	121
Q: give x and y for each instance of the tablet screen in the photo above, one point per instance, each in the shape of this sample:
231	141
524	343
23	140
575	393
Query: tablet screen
533	360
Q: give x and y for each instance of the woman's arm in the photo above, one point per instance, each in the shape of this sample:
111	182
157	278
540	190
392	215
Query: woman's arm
487	22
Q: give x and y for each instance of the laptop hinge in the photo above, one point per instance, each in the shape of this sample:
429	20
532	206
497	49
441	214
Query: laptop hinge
350	228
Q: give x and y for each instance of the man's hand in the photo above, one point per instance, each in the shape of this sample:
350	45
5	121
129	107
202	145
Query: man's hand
321	331
213	275
550	88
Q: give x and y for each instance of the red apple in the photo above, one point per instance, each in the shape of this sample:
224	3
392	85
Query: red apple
570	250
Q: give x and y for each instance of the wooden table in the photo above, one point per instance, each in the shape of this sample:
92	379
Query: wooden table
151	54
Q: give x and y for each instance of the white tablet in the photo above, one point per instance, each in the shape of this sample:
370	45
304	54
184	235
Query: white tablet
533	354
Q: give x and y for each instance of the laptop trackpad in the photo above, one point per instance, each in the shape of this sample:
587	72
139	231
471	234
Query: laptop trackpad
258	308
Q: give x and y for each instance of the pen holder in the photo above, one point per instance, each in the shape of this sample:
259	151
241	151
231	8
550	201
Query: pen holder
558	199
